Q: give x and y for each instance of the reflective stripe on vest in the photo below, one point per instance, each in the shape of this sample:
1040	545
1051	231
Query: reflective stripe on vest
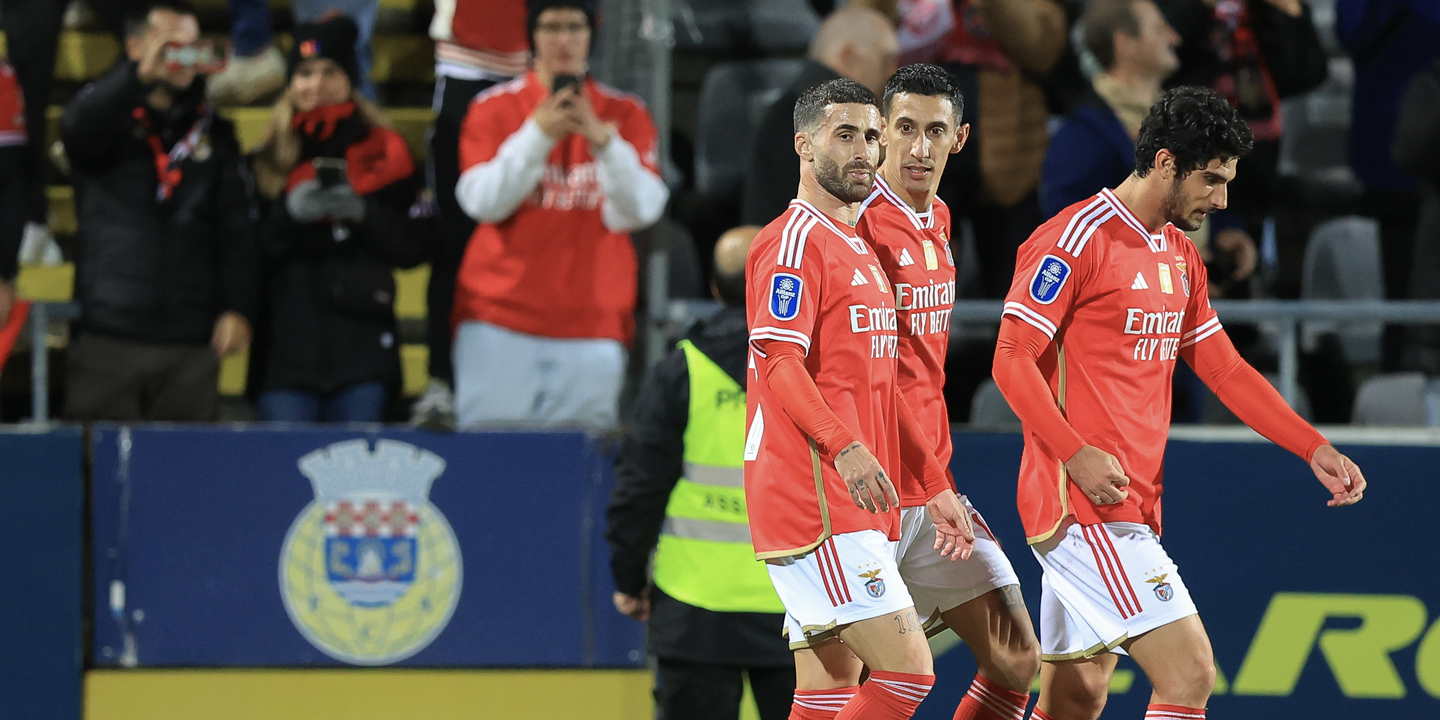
704	557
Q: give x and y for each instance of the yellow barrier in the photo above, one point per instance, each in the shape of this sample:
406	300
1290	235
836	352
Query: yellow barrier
367	694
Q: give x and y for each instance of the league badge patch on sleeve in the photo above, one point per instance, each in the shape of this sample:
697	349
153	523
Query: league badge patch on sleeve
1049	278
785	292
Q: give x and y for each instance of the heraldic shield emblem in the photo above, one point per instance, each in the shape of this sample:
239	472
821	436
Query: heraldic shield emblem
370	571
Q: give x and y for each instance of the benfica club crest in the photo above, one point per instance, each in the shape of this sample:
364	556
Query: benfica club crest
874	584
1163	590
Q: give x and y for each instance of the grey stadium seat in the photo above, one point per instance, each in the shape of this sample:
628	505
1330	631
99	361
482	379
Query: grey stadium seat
733	100
1397	399
1342	262
990	411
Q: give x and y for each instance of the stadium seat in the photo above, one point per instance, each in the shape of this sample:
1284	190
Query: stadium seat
990	411
687	274
732	101
1396	399
1342	262
782	27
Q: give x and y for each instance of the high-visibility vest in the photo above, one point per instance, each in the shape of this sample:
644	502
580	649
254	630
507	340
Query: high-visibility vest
705	557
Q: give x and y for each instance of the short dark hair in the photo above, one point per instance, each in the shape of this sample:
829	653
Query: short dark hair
810	106
924	79
138	19
1195	123
1100	21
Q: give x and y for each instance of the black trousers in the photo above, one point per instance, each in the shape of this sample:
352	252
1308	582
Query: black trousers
687	690
453	99
120	380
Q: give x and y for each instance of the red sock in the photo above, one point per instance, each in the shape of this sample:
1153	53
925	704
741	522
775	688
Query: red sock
988	701
1038	714
820	704
888	696
1156	711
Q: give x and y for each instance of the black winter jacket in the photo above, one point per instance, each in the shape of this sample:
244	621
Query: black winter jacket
650	462
151	270
329	317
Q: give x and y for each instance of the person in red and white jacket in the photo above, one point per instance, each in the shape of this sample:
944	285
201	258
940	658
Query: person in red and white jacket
477	45
13	183
557	169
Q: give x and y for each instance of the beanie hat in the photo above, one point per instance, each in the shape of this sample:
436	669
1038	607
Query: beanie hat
535	7
332	38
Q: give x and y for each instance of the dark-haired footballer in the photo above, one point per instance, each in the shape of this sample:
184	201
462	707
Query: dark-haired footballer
1106	296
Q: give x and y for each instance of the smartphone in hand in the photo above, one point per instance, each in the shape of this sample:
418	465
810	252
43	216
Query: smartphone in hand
330	172
204	57
563	81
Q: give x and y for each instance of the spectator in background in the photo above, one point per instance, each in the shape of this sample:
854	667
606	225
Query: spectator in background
165	250
1094	147
1255	53
363	12
340	208
1390	41
1416	150
32	32
557	169
711	609
856	43
999	50
255	68
476	46
13	184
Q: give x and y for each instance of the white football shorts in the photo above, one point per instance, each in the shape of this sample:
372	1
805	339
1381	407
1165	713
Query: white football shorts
850	577
1102	585
937	584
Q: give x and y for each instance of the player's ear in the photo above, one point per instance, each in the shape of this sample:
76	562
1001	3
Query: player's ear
803	147
961	135
1165	163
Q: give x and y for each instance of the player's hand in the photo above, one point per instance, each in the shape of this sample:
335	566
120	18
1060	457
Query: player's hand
587	123
954	535
1339	474
867	482
555	114
231	335
635	606
1098	473
1241	249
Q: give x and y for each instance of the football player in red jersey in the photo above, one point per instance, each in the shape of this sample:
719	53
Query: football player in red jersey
909	228
827	428
1106	296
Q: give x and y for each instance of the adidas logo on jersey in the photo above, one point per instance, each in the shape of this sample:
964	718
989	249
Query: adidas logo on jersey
905	258
1139	283
859	279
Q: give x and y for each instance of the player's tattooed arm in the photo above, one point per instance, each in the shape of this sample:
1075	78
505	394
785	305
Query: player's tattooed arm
869	486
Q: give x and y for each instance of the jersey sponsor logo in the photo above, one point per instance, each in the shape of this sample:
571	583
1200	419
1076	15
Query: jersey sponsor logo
1049	278
1163	590
858	279
1162	323
883	322
370	571
905	259
929	306
874	584
785	292
1139	283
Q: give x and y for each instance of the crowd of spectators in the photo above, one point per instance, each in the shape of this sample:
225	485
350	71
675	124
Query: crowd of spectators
537	175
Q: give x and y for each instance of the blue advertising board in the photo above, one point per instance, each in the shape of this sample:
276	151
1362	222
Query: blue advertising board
268	546
44	571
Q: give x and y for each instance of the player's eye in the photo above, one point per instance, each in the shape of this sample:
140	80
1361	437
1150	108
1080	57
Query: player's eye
847	137
905	128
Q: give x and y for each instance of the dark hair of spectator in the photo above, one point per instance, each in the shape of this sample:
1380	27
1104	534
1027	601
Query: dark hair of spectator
924	79
731	287
138	19
1102	18
810	106
1197	125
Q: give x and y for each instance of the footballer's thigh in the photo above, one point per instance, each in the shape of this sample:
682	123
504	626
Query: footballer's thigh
1178	661
1076	689
891	643
997	629
827	665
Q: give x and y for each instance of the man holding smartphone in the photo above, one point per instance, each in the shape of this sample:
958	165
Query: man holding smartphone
165	262
557	169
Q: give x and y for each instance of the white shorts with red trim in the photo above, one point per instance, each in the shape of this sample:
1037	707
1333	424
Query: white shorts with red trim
850	577
1104	584
937	584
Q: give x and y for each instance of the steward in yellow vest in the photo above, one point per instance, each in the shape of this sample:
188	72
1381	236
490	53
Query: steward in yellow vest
714	618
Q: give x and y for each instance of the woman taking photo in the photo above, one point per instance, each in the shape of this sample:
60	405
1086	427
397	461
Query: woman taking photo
339	209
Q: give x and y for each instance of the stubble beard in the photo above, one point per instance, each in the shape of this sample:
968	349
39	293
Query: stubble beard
833	178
